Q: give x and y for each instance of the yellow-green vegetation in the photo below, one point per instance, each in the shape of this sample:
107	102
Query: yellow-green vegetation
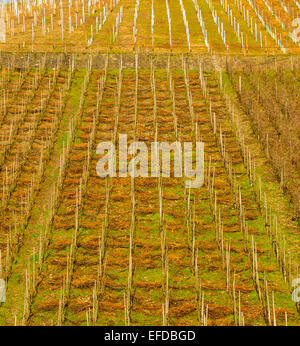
191	26
77	249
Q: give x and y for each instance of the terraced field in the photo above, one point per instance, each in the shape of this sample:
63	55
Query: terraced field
77	249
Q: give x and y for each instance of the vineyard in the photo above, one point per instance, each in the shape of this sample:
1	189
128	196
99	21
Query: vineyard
242	27
77	249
